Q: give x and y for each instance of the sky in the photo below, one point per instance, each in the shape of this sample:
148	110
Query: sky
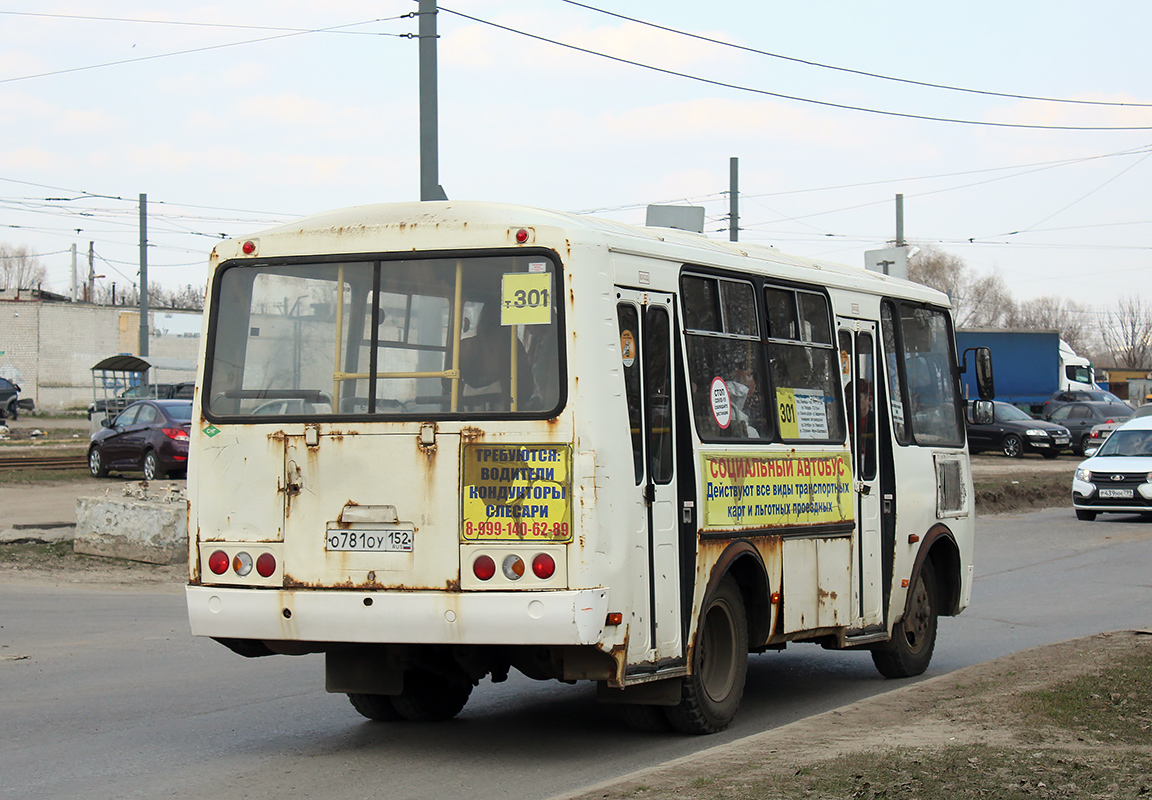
234	117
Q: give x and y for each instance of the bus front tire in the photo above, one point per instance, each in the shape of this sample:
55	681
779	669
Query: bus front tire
710	696
377	707
909	651
427	697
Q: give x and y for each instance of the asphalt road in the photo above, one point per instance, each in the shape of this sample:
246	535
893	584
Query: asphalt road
103	694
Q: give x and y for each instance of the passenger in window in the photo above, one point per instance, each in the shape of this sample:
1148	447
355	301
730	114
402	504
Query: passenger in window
486	359
743	398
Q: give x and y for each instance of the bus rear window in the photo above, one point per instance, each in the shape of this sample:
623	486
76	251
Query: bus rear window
430	337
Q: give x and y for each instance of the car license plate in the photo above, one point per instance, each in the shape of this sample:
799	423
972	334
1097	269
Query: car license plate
377	540
1116	493
1061	440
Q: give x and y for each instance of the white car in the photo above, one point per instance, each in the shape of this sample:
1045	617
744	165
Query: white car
1118	476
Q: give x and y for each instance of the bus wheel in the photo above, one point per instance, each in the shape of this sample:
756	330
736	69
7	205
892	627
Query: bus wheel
376	707
910	649
429	698
710	696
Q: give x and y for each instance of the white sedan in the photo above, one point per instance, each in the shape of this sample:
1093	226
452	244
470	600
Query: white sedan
1118	476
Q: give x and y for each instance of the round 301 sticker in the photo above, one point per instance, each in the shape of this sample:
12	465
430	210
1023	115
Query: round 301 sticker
721	402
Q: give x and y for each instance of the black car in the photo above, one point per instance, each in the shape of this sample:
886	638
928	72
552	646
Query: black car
149	435
1080	418
1014	433
1065	396
9	393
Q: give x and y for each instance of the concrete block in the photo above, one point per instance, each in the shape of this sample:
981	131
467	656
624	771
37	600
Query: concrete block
152	530
38	532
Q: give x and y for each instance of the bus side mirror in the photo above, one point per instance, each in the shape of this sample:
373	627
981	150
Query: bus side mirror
982	412
985	385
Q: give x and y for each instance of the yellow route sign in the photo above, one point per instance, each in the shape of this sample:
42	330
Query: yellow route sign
526	298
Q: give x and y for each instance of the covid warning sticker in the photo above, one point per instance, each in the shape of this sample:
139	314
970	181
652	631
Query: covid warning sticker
516	493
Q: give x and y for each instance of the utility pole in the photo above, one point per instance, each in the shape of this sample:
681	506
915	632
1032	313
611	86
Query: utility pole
899	220
430	188
91	298
143	276
73	272
733	199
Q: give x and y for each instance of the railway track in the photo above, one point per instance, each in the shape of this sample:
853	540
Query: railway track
43	462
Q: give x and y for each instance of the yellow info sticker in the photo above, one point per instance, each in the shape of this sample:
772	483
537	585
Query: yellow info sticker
516	493
766	490
526	298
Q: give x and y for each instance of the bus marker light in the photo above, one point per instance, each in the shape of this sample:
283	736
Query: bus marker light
218	562
614	618
484	568
513	568
521	236
913	538
242	564
904	583
543	566
266	565
249	247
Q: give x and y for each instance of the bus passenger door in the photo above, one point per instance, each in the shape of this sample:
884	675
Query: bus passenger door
646	348
857	340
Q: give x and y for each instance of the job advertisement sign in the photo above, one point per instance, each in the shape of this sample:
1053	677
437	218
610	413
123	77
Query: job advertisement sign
516	493
772	490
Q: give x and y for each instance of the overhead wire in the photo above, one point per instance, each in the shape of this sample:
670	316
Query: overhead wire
864	73
796	98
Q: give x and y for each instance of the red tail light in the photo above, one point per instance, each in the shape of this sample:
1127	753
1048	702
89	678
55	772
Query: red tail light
218	562
266	565
543	566
179	434
484	568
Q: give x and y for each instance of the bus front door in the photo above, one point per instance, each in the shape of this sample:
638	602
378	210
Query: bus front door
654	632
857	339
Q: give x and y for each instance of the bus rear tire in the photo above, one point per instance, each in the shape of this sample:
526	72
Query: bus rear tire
427	697
377	707
710	696
909	651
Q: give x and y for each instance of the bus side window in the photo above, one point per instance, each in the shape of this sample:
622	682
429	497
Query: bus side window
725	359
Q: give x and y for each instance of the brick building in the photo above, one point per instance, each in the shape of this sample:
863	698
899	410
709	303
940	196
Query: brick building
49	345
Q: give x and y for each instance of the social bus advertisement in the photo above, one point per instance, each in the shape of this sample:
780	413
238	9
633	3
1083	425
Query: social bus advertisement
774	490
517	493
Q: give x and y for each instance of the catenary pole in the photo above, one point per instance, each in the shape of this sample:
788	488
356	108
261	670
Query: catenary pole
733	199
430	188
143	275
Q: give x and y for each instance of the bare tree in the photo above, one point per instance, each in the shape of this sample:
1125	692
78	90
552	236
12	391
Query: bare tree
188	297
20	269
1066	316
979	300
1127	334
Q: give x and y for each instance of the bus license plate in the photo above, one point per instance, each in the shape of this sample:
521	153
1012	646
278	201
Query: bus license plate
369	541
1116	493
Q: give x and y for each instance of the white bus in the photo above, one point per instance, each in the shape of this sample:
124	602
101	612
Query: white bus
437	441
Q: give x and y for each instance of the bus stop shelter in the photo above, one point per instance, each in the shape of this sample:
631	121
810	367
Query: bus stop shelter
120	380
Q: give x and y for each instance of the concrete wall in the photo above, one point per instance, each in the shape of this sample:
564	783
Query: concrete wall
49	348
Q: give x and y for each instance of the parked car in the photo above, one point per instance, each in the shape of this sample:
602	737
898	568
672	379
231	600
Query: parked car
125	397
1102	431
1116	477
149	435
1014	433
11	403
1080	418
1079	395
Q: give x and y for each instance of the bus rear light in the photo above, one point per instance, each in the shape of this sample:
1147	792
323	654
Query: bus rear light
614	618
543	566
218	562
513	568
249	247
484	568
242	564
266	565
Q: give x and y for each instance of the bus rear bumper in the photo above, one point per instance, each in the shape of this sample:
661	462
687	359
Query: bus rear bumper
310	615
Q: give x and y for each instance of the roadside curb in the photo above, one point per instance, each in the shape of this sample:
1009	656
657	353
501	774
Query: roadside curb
39	532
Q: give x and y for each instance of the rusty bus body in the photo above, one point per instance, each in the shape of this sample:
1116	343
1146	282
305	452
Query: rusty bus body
688	450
